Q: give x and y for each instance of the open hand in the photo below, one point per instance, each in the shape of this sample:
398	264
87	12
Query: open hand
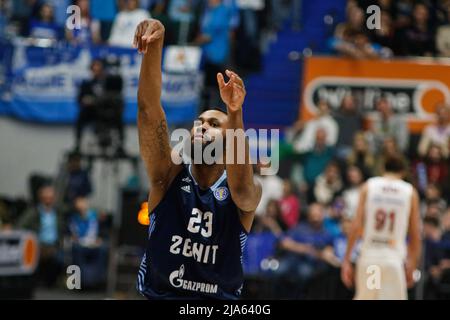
232	92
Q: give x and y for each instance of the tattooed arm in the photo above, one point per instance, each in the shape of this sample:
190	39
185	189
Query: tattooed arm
153	134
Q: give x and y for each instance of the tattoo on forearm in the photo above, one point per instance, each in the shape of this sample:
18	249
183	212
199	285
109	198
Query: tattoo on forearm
161	136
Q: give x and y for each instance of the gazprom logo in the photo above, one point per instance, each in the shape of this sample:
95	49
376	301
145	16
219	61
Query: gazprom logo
176	277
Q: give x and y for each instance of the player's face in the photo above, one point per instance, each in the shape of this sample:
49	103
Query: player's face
213	125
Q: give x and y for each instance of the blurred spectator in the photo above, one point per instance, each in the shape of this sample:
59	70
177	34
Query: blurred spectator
89	33
47	222
324	121
349	121
214	38
328	185
357	45
355	22
87	249
433	201
60	10
104	11
290	205
361	156
183	15
22	12
433	169
272	188
350	195
5	217
248	35
315	161
437	134
334	254
125	24
385	35
433	254
443	35
389	148
44	27
84	226
89	95
333	216
271	221
418	39
302	248
387	124
78	180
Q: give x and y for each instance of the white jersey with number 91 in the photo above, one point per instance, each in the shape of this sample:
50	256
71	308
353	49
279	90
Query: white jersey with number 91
386	219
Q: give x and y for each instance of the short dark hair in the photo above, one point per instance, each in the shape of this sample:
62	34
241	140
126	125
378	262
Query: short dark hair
223	110
431	221
394	164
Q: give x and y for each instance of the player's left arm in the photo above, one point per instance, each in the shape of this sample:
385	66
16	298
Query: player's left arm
414	239
245	189
347	272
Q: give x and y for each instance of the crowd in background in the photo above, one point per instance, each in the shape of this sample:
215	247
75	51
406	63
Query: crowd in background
306	210
407	28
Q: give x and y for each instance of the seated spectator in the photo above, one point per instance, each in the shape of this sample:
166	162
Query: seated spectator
334	253
272	188
443	34
271	221
78	180
328	185
315	161
357	45
125	24
333	217
89	33
355	22
433	169
88	250
47	222
361	155
387	124
349	121
385	35
304	243
433	254
418	38
389	148
44	27
438	133
289	205
350	195
324	121
433	201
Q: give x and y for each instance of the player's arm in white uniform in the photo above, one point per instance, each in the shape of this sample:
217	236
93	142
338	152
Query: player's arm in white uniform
414	239
245	190
347	272
152	126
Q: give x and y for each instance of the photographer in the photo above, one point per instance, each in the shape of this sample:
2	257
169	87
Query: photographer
101	103
88	96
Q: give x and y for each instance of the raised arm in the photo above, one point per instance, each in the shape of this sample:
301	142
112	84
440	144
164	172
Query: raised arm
152	126
245	190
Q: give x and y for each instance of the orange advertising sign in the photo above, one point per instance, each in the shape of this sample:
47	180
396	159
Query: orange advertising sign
413	87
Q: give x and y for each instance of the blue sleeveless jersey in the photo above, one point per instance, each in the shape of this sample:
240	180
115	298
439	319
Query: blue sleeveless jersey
195	243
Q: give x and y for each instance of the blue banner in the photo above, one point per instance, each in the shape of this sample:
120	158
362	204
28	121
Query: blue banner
40	84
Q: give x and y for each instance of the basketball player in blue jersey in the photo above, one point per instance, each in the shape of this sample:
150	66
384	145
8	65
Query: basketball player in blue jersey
199	214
